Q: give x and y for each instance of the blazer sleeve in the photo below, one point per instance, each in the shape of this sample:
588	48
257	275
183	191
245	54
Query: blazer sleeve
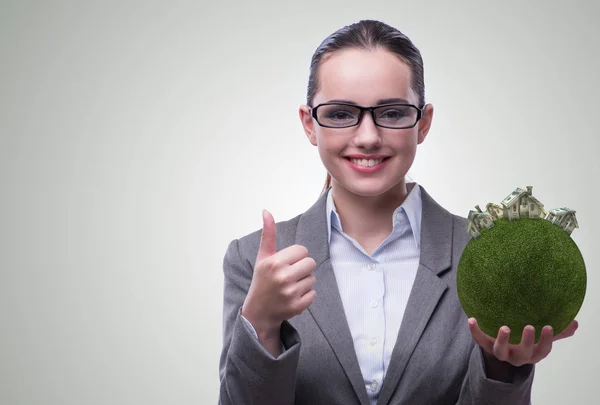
478	389
249	375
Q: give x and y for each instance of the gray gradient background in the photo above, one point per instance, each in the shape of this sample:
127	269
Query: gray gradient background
139	138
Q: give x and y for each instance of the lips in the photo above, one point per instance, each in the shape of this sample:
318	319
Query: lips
366	162
367	165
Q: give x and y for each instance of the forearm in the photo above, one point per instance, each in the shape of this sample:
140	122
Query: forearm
251	375
496	369
268	334
479	387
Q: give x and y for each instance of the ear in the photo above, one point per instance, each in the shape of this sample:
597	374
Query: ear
425	122
308	123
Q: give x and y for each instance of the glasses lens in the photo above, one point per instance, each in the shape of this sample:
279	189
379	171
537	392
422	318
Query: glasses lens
396	116
337	115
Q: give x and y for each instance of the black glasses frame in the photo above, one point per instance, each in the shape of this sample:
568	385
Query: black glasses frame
362	110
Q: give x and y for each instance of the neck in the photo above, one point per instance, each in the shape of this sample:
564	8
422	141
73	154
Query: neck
367	216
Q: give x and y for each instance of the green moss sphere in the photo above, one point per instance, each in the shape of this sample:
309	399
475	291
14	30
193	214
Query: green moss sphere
521	272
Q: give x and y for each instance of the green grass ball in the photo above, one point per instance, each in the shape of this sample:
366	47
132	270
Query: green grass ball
521	272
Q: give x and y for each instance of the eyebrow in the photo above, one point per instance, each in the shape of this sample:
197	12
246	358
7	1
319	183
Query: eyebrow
379	102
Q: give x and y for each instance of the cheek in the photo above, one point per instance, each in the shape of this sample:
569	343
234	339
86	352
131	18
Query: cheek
330	150
411	148
326	152
329	143
406	150
404	142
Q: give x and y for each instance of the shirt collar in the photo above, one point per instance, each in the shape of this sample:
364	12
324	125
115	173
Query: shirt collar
412	206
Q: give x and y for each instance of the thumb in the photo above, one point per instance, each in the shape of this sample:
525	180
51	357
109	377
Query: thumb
267	245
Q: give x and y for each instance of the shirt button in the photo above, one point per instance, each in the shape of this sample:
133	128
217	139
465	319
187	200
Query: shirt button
373	341
374	386
399	216
371	266
374	303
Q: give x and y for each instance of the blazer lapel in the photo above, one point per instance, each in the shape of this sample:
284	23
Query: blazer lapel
428	288
328	310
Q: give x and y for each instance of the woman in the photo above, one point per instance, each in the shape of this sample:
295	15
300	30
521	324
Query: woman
354	301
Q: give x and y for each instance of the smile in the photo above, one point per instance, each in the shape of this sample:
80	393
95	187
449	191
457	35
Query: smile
366	162
367	165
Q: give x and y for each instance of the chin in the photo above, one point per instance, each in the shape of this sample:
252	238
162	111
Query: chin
372	188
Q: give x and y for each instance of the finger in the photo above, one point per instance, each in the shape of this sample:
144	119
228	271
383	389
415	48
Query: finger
266	248
501	343
483	340
305	285
302	268
527	343
304	302
291	255
568	331
544	346
291	263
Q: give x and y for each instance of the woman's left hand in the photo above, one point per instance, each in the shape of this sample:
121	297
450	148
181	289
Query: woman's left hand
526	352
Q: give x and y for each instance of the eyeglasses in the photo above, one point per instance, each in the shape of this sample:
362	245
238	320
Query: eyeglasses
344	115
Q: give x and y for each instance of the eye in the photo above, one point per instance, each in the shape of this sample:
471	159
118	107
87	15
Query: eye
393	114
340	115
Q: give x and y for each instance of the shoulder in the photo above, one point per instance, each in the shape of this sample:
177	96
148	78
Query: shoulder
460	235
441	220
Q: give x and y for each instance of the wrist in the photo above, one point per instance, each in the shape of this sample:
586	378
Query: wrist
265	329
497	369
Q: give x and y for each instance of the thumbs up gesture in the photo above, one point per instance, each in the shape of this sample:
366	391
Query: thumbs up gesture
281	286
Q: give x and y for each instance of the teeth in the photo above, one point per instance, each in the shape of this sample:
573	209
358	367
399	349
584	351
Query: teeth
366	162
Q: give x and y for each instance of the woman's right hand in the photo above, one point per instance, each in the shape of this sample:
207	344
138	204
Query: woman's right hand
281	286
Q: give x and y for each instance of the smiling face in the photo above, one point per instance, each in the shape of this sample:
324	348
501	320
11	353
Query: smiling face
366	78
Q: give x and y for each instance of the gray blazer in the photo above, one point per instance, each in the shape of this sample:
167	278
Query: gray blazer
435	360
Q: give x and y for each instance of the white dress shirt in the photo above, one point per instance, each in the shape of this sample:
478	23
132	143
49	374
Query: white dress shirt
375	288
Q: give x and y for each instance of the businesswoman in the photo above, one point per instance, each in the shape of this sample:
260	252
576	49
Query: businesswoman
354	301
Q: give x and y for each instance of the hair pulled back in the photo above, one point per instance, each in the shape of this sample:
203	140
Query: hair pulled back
367	35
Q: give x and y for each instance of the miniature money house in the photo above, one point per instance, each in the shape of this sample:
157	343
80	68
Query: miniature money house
519	203
522	203
563	217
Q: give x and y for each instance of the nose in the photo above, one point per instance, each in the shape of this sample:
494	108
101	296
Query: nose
367	133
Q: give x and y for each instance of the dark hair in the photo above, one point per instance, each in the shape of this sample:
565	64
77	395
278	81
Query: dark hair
368	35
